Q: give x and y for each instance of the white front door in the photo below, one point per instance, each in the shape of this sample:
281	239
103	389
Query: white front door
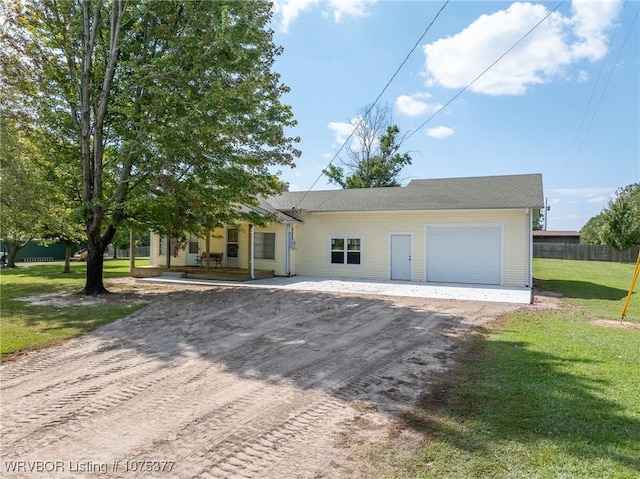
401	256
193	250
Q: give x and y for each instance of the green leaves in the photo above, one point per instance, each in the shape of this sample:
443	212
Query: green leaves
374	158
621	228
618	225
170	111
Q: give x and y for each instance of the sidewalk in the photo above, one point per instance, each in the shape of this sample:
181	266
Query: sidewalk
498	294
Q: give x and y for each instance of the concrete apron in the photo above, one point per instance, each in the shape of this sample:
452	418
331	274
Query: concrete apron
496	294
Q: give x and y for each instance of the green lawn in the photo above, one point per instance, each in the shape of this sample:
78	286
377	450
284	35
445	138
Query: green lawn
597	288
542	394
24	326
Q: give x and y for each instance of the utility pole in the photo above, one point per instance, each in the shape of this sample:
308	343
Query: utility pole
546	212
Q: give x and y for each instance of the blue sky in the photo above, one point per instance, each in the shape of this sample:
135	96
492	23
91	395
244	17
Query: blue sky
565	102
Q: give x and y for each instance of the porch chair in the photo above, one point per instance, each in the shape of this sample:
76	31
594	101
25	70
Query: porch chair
215	257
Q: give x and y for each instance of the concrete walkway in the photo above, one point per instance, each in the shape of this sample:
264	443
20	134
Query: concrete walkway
497	294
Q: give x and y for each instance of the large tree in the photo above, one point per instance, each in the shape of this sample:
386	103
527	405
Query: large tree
373	158
621	225
164	100
23	206
618	224
591	232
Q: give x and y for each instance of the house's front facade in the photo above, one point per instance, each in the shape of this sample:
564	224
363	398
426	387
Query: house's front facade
271	250
457	230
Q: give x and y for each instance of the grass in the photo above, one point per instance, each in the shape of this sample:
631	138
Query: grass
597	288
24	326
540	394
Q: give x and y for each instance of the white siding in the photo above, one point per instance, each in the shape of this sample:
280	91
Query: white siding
312	241
277	264
178	253
217	244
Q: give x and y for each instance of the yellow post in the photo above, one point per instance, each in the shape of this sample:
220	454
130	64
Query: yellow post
132	249
631	288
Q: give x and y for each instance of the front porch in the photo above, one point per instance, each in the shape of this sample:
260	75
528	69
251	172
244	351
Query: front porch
199	272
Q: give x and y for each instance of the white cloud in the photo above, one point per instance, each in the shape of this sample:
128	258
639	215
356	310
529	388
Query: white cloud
591	19
354	8
343	129
546	53
293	187
589	195
411	105
289	10
583	76
440	132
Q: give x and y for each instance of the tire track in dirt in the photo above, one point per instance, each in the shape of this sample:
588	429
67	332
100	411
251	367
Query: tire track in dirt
227	382
334	382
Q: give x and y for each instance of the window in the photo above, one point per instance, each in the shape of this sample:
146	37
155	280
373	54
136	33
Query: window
162	246
264	245
194	245
232	243
345	250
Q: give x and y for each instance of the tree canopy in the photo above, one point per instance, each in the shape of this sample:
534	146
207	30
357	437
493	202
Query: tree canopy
171	109
618	224
23	206
621	225
373	157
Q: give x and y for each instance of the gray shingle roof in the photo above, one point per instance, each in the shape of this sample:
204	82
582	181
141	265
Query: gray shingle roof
486	192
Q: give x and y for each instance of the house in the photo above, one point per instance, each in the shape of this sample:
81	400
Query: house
557	237
455	230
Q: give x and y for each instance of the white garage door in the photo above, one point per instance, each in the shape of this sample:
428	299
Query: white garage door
464	254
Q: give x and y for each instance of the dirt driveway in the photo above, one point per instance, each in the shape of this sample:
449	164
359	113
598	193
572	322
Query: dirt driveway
227	382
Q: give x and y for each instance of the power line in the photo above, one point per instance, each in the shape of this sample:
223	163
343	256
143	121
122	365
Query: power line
593	92
485	71
376	101
573	158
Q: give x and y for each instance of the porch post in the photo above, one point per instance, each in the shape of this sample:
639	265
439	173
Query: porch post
206	253
132	250
168	262
252	252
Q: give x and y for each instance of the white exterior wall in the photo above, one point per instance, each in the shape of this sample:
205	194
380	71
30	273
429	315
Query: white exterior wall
161	260
278	264
374	229
217	244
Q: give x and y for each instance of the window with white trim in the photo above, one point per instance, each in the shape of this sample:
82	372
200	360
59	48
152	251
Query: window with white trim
162	246
346	250
264	245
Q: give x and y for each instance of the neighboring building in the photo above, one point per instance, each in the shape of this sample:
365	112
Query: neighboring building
36	251
556	237
456	230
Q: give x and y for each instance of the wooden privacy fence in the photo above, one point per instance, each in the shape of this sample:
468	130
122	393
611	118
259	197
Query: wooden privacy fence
584	252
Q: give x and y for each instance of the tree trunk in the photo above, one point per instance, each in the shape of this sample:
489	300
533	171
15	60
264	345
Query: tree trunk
11	258
14	247
95	261
67	258
95	264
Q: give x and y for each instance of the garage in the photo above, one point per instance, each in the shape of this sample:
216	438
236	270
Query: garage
470	254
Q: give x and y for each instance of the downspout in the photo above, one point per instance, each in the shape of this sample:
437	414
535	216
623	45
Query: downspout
530	249
252	253
287	250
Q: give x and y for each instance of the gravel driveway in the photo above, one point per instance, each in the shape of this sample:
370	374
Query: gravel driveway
227	382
